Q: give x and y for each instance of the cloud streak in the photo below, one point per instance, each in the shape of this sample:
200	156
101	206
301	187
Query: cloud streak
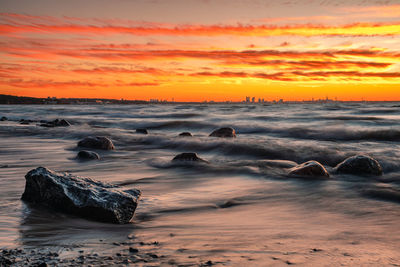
48	25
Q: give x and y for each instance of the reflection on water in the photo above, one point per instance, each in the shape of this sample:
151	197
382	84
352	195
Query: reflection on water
239	209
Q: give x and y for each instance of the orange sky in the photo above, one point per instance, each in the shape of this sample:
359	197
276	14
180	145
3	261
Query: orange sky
201	50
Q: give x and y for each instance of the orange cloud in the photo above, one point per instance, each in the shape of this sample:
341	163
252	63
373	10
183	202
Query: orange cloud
49	25
298	75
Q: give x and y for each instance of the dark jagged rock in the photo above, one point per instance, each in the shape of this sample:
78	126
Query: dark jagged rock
3	118
310	168
185	134
56	123
87	155
142	131
188	156
80	196
97	142
224	132
359	165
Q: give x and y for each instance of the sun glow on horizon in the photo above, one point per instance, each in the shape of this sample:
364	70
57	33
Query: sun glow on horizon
348	53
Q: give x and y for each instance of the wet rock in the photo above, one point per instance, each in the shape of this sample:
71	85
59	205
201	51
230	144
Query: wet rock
188	156
359	165
224	132
152	255
185	134
24	122
97	142
3	118
43	264
142	131
133	250
56	123
87	155
4	261
80	196
229	203
310	168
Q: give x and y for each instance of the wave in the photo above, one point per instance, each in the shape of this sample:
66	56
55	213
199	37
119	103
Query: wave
327	133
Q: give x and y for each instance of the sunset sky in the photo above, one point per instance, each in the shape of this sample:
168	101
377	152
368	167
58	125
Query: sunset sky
190	50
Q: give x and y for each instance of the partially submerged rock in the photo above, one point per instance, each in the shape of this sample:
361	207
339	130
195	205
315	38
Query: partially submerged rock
309	169
188	156
185	134
55	123
25	122
360	165
3	118
224	132
142	131
80	196
97	142
87	155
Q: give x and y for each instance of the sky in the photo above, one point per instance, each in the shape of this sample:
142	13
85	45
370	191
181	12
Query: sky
198	50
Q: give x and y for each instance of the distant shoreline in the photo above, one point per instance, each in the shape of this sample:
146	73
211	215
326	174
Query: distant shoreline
24	100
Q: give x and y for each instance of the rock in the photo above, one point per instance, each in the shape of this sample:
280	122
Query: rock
87	155
185	134
359	165
224	132
188	156
133	250
43	264
80	196
310	168
142	131
97	142
3	118
55	123
24	122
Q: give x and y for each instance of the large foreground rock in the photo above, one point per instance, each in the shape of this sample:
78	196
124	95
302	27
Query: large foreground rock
310	168
97	142
224	132
359	165
188	156
80	196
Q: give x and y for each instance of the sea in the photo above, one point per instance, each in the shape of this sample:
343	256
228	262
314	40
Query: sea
240	209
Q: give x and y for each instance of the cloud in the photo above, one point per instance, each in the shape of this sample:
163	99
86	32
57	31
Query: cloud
300	75
21	24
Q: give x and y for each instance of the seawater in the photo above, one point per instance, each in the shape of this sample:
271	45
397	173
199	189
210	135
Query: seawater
239	210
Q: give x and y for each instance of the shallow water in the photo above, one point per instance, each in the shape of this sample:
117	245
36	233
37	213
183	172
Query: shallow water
241	209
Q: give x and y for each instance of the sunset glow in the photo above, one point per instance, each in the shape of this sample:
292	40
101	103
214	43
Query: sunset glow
146	49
